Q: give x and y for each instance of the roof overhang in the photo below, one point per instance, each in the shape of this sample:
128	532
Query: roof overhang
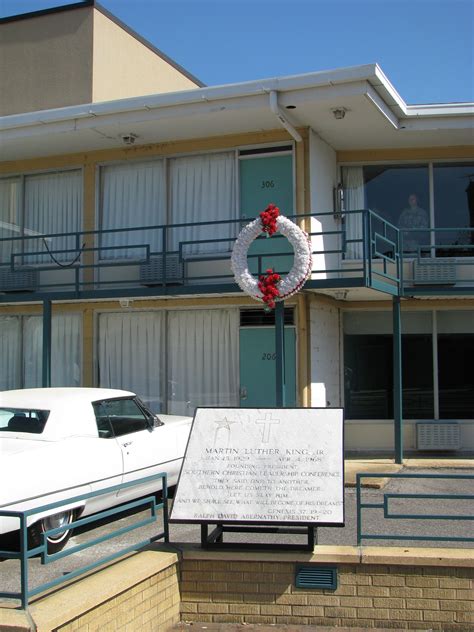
375	116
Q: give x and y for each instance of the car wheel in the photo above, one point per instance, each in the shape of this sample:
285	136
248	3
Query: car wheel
56	542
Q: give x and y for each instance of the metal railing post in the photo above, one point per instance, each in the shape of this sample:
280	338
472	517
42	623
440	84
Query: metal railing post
46	366
397	381
24	562
280	352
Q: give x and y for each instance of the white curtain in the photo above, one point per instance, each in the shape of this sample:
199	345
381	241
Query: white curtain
133	195
32	351
202	189
10	352
66	356
9	217
203	362
354	200
53	204
132	354
65	350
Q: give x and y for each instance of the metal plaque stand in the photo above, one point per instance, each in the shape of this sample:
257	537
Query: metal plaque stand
215	539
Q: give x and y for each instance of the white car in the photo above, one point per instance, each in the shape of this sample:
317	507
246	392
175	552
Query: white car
57	443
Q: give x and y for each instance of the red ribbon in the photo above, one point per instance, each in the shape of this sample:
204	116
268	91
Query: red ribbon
269	219
267	285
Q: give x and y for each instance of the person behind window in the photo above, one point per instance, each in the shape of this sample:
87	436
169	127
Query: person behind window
414	217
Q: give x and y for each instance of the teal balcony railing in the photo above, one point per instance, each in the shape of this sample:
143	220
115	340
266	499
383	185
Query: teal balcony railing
25	517
416	516
361	249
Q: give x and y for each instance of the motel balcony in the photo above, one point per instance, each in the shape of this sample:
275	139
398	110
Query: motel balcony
358	252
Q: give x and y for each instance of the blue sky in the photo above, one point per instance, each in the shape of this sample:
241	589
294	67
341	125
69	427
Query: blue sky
425	47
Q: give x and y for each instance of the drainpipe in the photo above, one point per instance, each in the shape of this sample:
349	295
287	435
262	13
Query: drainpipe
275	108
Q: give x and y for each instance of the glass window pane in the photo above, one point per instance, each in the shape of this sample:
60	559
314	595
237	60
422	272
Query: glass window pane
133	196
368	370
455	365
53	204
400	194
9	217
454	209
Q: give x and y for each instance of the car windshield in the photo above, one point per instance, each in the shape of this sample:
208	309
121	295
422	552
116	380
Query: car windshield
28	420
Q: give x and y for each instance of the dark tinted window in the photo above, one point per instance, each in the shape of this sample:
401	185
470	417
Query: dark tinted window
23	420
119	417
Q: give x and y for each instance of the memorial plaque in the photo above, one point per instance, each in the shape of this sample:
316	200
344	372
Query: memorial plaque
260	466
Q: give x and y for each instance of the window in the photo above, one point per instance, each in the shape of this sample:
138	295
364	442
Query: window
455	365
181	190
454	209
35	205
21	344
23	420
368	365
120	417
174	360
409	197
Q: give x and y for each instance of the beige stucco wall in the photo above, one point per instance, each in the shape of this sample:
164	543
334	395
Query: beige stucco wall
46	62
124	67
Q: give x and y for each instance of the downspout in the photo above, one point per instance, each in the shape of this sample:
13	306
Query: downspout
275	108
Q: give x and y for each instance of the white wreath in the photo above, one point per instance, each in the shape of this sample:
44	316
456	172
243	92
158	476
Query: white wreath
302	263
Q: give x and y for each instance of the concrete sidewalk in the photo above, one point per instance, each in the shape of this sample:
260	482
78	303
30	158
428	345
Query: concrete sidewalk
388	466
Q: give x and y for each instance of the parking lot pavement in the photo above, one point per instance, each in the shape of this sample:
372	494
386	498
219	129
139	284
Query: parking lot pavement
373	522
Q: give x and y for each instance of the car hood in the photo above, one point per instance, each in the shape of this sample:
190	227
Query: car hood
14	445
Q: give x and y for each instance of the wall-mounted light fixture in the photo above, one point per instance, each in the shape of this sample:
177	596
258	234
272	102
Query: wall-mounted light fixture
339	113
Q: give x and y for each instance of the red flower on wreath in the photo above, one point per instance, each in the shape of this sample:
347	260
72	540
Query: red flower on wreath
267	285
269	218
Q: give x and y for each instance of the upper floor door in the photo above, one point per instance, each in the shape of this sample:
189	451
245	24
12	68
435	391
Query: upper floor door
267	179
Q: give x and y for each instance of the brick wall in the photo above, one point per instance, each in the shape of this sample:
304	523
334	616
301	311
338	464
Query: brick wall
152	604
416	597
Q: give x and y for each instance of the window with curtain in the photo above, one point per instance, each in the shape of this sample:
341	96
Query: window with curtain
203	351
52	204
21	348
37	205
133	195
132	354
173	360
354	200
10	352
202	189
198	188
9	217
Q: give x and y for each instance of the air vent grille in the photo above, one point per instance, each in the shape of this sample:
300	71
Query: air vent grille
434	272
315	576
438	436
151	271
19	280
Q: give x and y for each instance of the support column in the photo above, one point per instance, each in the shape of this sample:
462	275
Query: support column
280	352
46	373
397	381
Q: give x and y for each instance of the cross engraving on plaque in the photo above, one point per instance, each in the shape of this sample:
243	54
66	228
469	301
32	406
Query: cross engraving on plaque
268	422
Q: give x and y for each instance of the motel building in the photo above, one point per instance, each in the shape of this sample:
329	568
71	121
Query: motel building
124	182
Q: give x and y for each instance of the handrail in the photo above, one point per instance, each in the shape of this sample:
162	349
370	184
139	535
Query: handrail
81	263
24	554
384	505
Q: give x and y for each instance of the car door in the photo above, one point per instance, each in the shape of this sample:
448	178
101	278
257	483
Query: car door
146	449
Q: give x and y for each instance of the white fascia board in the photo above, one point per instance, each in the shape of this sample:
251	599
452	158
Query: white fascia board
441	109
440	122
196	95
